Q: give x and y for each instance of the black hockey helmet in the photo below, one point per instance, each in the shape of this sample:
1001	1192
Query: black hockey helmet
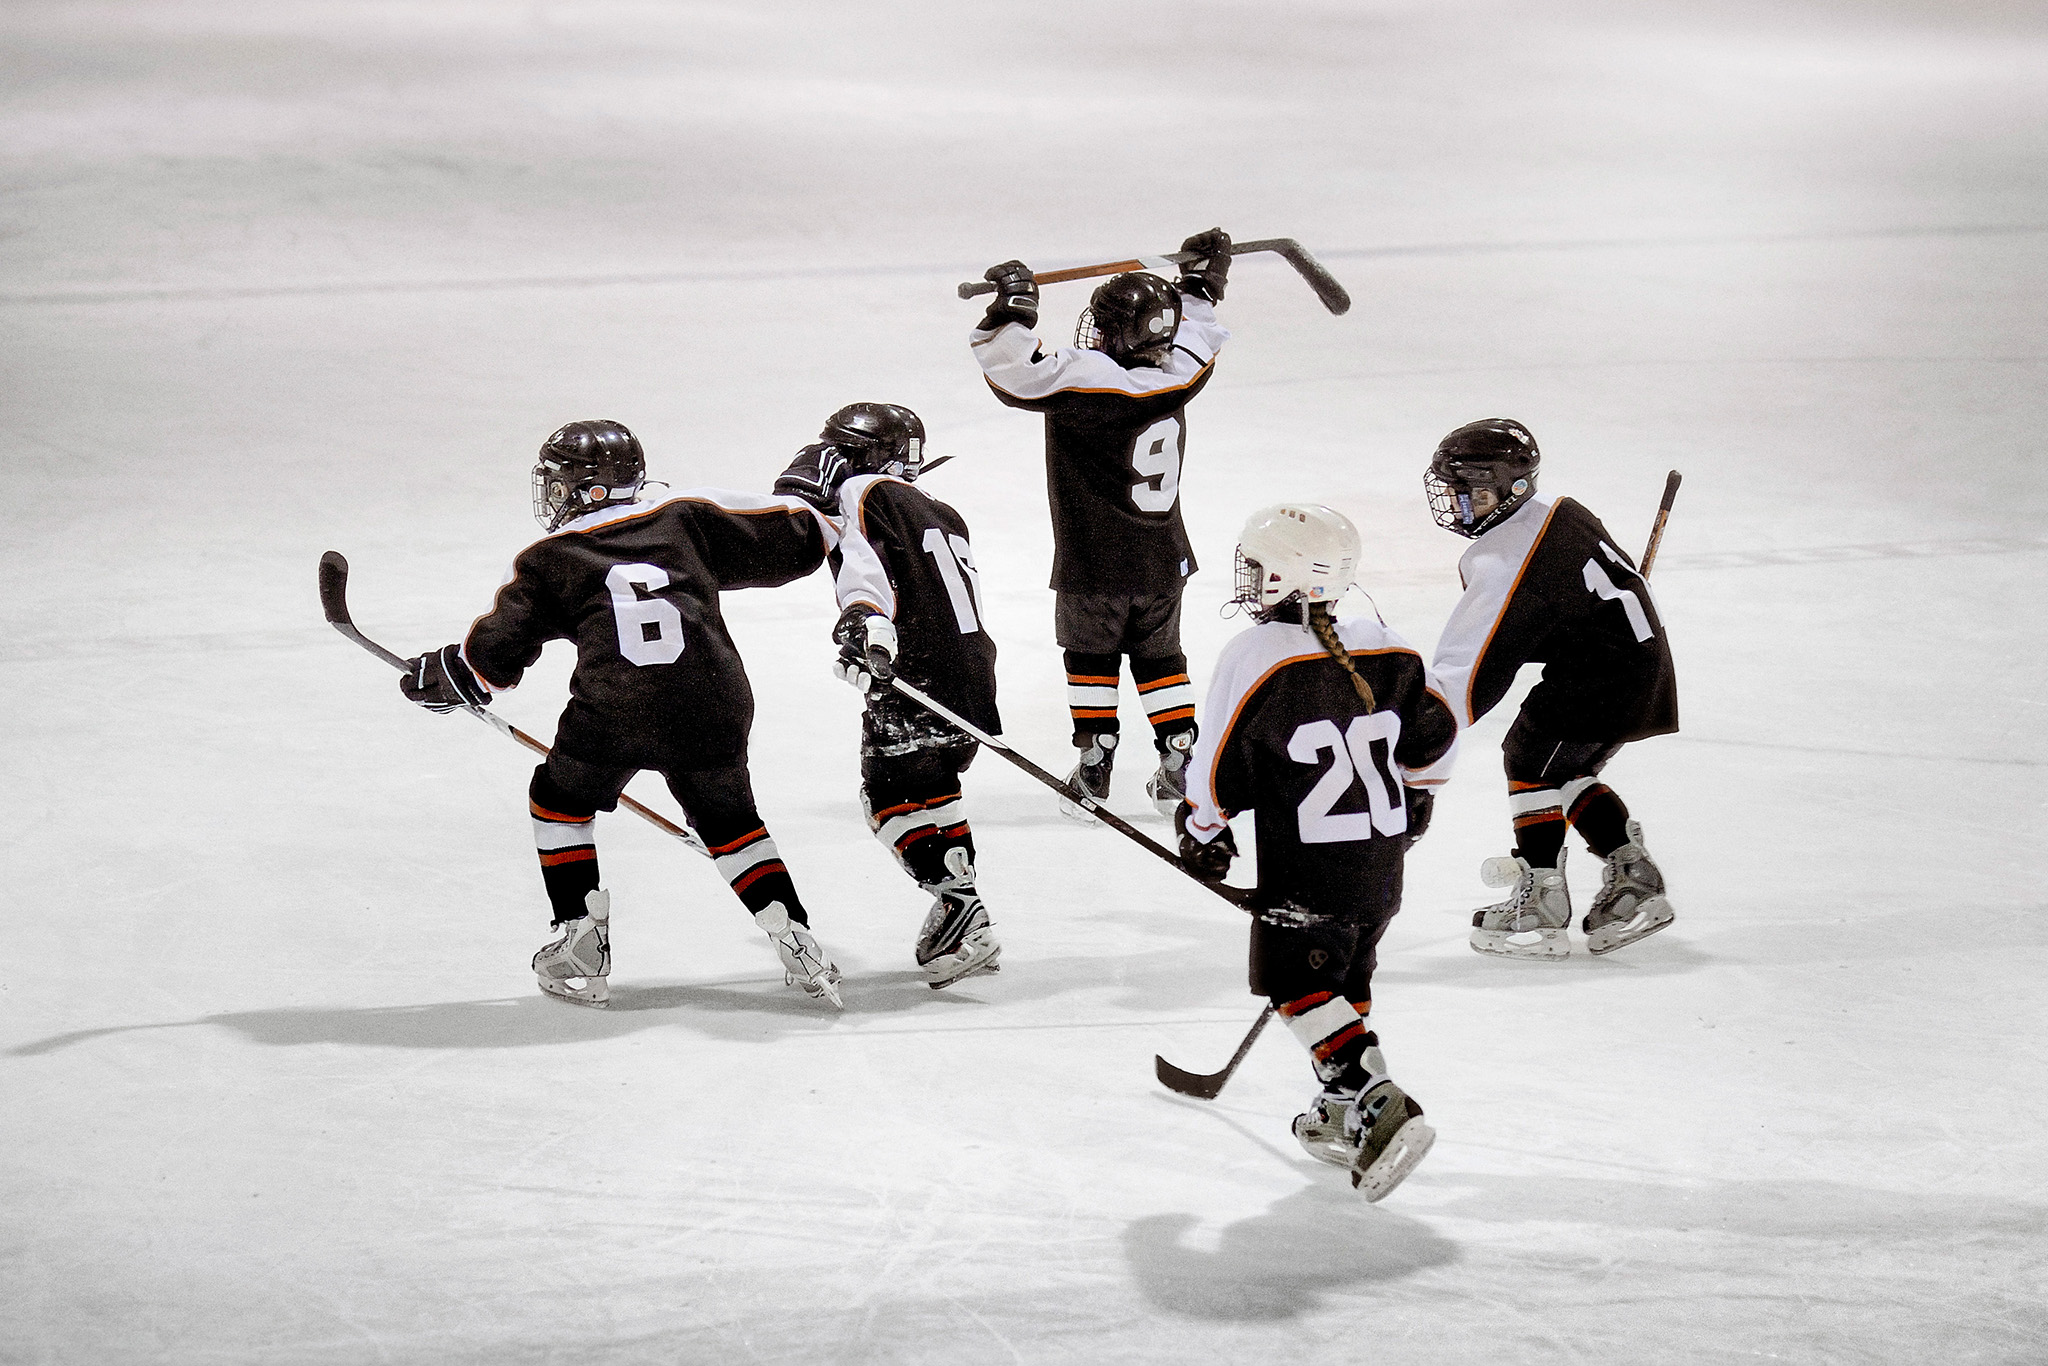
1133	317
583	467
1480	474
877	438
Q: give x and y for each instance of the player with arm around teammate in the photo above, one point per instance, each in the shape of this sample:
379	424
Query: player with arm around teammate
910	604
1336	734
1545	583
1115	429
658	684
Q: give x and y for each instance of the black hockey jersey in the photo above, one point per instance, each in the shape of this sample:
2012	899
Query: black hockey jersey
658	683
1548	586
1285	734
905	554
1114	441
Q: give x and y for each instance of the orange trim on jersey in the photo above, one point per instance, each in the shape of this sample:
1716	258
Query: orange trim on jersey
568	856
1175	714
1480	658
1092	680
1159	683
747	838
544	814
757	872
1189	383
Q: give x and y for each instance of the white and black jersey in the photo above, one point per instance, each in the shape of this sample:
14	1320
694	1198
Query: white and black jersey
1285	734
1114	441
658	683
906	555
1549	586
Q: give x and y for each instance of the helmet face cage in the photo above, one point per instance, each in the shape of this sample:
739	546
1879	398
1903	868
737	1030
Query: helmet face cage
583	467
1496	454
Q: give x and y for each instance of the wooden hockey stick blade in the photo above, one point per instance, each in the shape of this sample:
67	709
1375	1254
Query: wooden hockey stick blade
334	602
1319	279
1209	1087
1663	515
1236	896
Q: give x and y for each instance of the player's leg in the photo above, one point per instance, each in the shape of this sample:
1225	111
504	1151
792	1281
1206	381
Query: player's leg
1161	673
1319	978
564	799
914	807
1533	921
1090	629
720	805
1631	903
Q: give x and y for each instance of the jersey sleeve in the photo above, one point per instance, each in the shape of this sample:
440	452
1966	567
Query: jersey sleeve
860	573
1023	375
1429	737
1200	335
1492	632
753	541
503	643
1219	778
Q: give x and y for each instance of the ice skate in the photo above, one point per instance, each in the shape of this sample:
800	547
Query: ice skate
1535	921
576	966
1168	788
1388	1138
956	942
804	963
1091	776
1631	902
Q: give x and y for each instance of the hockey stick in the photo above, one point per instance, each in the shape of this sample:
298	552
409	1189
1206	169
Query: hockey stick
1287	249
1208	1087
1663	516
334	601
1236	896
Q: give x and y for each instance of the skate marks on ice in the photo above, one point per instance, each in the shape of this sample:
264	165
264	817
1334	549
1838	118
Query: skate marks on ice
1282	1264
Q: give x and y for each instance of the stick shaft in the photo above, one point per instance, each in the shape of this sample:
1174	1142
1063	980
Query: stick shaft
1334	296
1663	516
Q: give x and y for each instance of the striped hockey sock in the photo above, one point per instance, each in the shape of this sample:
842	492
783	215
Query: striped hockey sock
1167	695
1091	692
920	832
1598	813
567	846
753	868
1538	813
1332	1028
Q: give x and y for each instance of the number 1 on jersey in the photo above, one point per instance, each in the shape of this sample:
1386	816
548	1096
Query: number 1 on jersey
956	568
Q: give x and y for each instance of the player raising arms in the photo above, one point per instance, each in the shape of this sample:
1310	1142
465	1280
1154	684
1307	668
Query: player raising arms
658	683
1115	430
910	603
1336	735
1544	583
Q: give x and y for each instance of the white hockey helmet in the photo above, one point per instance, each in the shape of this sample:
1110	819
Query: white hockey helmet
1295	550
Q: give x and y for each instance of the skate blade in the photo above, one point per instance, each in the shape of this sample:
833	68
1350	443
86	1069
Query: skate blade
1079	815
1410	1144
972	967
1541	945
1164	801
595	992
1336	1150
823	989
1650	917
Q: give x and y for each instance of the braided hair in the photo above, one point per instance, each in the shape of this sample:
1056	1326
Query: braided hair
1323	623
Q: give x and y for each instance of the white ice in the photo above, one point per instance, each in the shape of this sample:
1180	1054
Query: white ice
290	276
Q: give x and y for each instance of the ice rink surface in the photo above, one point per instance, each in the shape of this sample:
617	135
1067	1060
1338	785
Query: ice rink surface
284	277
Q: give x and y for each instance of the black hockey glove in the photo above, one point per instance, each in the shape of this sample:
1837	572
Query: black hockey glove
1206	276
867	648
440	681
1421	803
1016	296
1209	862
815	476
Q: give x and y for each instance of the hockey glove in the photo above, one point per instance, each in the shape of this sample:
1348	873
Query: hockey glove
867	648
1016	296
440	681
1421	803
815	476
1207	862
1206	276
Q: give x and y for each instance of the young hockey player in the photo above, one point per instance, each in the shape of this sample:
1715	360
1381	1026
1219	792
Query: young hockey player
1115	430
1545	583
658	683
910	604
1336	735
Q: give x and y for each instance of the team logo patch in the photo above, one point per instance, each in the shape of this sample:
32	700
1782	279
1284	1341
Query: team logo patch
1318	957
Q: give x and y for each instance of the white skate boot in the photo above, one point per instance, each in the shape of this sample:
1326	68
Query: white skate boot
1535	921
1631	903
804	963
1091	776
574	967
1378	1135
956	941
1168	788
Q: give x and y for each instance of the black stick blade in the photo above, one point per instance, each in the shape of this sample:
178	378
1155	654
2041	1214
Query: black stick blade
334	587
1187	1083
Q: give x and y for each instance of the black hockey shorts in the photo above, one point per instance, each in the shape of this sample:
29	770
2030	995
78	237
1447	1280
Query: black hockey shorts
894	726
1289	962
1141	625
718	801
1532	755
